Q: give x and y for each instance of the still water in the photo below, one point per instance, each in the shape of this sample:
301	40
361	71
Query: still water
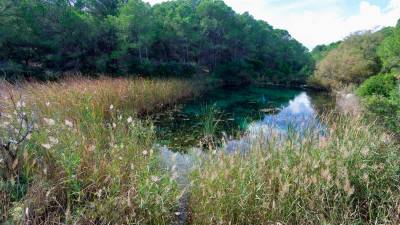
231	112
238	115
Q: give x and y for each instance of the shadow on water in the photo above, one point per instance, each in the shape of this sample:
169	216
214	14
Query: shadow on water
252	111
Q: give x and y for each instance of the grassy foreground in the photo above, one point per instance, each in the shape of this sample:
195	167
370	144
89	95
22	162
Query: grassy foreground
351	176
74	152
87	159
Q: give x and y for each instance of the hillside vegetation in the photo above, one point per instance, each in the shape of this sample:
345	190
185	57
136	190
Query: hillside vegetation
349	63
369	61
43	38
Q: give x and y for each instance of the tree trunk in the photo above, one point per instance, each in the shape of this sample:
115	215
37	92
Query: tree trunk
140	54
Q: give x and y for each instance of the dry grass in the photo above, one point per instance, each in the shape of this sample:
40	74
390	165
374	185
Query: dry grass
90	160
351	176
133	95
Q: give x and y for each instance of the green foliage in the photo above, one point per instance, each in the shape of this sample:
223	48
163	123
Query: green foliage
389	51
353	61
382	85
320	51
385	110
235	73
381	96
132	37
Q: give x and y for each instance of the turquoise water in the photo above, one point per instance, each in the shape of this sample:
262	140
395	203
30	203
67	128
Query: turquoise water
230	112
238	115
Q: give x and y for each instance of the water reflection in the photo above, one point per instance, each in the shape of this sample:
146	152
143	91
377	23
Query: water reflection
297	116
183	126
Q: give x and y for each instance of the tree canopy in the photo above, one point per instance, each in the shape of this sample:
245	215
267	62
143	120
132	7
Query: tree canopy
44	38
389	51
320	51
351	62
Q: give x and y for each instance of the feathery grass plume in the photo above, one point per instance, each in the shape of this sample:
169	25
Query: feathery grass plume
91	163
352	177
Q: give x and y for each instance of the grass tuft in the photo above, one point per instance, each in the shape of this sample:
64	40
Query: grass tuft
90	159
349	176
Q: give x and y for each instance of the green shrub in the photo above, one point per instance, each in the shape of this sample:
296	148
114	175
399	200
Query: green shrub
385	110
382	84
381	97
389	51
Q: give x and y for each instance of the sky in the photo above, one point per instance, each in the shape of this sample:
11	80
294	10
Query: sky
314	22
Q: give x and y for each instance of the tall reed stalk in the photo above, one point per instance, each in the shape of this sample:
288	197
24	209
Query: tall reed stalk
351	175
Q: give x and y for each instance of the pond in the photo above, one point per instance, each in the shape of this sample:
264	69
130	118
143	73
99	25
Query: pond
229	112
235	114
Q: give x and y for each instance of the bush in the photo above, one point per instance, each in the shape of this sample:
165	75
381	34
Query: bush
389	51
385	110
381	96
382	84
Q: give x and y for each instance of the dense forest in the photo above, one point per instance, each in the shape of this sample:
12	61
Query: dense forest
43	39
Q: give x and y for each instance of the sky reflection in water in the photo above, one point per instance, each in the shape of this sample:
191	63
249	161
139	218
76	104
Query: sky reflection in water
298	115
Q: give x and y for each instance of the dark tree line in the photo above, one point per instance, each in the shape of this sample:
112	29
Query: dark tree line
44	38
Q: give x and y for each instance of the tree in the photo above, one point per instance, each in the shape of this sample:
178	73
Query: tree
320	51
389	51
353	61
103	8
45	38
135	30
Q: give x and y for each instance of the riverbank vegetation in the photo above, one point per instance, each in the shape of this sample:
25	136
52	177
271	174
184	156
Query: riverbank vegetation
381	96
87	158
348	176
309	178
369	61
43	39
135	95
76	152
351	62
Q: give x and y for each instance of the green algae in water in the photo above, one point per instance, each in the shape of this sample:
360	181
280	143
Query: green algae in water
226	112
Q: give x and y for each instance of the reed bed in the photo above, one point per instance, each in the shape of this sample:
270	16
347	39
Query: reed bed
137	95
351	175
88	159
